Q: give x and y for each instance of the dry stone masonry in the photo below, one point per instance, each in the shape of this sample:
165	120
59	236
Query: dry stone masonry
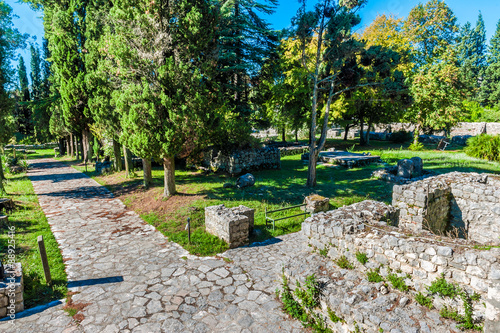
244	160
11	292
233	225
467	204
371	228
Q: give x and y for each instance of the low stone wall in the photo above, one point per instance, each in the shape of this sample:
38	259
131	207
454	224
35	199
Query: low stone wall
293	150
11	292
50	145
467	204
233	225
362	227
242	161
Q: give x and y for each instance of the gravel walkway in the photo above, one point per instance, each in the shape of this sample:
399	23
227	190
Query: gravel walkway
134	280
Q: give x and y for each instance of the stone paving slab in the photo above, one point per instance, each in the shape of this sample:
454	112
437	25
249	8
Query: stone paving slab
134	280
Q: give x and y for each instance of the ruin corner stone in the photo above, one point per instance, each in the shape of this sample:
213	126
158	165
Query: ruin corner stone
316	203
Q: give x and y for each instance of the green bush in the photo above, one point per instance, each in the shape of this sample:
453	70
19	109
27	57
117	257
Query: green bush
400	137
416	146
484	146
443	288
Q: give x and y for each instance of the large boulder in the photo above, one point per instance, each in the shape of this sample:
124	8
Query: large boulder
405	168
245	181
418	167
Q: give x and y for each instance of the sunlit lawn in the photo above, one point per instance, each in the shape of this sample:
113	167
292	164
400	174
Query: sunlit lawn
280	188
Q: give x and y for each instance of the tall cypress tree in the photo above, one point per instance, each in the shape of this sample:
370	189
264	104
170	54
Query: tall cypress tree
22	112
42	99
65	24
36	75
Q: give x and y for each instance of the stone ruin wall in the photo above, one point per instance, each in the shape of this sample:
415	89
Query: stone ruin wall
233	225
12	284
242	161
465	204
363	227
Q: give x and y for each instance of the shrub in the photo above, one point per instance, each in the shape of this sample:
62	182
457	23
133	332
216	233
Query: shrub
416	146
484	146
400	137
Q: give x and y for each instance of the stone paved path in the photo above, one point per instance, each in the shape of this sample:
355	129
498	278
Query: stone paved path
134	280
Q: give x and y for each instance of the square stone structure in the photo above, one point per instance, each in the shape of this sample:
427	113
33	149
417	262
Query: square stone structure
233	225
469	203
316	203
13	283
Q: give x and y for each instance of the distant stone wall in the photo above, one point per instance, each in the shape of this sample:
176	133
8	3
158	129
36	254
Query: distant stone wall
242	161
11	291
467	202
233	225
363	228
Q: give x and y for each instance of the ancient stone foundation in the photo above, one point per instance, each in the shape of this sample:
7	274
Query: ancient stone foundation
459	204
11	291
365	228
241	161
233	225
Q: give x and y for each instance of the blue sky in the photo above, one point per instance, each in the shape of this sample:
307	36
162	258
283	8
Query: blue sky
465	10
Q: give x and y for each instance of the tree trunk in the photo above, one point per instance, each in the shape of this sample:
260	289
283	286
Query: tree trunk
346	132
367	140
148	177
86	145
296	135
128	161
67	145
416	134
311	171
362	135
118	156
2	176
283	134
169	176
79	148
71	145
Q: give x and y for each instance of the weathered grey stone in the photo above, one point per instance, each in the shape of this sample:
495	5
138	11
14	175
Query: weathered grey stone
405	168
246	180
316	203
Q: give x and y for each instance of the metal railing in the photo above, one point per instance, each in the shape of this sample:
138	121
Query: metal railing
283	218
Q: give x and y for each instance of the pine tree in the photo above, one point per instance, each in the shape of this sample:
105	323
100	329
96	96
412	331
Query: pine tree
490	88
472	56
246	42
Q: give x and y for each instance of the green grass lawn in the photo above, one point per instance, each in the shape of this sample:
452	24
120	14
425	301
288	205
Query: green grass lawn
30	222
280	188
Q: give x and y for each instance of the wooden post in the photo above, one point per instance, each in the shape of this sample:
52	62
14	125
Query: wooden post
189	229
45	263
